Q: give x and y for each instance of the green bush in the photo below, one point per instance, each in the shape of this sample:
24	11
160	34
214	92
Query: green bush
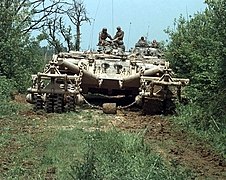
6	89
197	51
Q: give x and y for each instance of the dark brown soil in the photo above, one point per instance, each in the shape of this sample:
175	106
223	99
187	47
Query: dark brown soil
175	145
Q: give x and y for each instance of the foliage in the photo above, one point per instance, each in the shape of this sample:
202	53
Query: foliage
198	51
6	90
193	52
19	54
86	169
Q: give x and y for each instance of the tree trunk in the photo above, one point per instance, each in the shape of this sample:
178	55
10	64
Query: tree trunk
78	36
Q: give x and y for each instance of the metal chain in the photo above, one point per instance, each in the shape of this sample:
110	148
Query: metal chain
79	80
101	108
80	76
98	107
127	106
92	106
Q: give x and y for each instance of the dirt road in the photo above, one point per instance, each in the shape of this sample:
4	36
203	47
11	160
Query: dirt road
174	145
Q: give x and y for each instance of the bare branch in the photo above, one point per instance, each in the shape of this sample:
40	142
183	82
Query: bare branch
77	15
38	16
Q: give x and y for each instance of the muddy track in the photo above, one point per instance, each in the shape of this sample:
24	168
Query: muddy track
174	145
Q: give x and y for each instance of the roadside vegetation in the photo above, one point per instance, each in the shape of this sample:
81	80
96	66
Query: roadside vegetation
197	50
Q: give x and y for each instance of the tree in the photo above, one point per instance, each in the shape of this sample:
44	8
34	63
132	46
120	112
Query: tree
197	50
31	15
218	19
78	14
19	53
193	53
217	10
55	31
50	34
58	33
67	34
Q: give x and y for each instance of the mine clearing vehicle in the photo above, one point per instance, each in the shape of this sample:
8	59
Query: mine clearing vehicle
69	78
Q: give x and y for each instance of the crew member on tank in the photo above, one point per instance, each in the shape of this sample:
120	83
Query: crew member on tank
118	38
154	44
103	35
141	42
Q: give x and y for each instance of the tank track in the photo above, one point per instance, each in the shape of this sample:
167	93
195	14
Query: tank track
54	103
154	106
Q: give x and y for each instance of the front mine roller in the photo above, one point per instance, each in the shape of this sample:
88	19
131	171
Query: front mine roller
53	90
71	78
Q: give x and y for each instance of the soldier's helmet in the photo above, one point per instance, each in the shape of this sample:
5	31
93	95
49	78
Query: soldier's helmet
118	28
104	30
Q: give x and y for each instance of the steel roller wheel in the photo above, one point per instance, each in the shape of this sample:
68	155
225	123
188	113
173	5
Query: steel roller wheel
54	103
169	107
153	106
38	102
71	103
49	103
58	103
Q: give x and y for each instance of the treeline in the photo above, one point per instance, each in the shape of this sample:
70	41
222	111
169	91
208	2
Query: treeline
197	50
24	24
20	54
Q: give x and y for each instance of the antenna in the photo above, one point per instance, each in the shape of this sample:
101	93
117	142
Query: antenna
112	12
147	32
129	34
91	34
187	12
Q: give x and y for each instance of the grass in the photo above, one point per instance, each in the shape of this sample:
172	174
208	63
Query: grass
117	155
81	145
196	121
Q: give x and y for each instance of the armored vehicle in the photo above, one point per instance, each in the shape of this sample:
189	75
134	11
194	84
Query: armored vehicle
69	77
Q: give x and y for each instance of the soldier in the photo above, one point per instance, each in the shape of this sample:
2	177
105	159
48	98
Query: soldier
118	38
103	35
141	42
154	44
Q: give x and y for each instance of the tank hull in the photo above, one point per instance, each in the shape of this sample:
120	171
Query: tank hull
69	77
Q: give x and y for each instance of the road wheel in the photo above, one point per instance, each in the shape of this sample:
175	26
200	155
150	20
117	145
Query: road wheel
71	103
58	103
169	107
38	102
49	106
